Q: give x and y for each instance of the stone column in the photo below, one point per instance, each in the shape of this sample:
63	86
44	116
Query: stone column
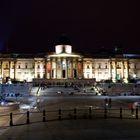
79	69
76	67
10	69
110	69
67	69
82	69
115	72
14	69
122	70
61	60
72	68
56	60
45	69
58	66
48	70
127	70
51	69
35	69
2	69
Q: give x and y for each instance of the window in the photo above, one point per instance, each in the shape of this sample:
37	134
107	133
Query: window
112	67
99	65
118	66
44	76
6	66
38	66
26	66
87	66
38	75
13	67
25	72
105	65
125	66
92	66
18	66
135	66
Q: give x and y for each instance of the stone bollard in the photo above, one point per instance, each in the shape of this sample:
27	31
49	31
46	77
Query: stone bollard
75	113
28	117
59	114
44	116
11	119
137	113
105	113
90	112
120	112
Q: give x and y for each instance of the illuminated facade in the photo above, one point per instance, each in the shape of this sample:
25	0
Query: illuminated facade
64	64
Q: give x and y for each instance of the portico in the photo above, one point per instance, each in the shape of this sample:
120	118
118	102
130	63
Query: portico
63	64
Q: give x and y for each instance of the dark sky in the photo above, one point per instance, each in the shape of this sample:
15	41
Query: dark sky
35	25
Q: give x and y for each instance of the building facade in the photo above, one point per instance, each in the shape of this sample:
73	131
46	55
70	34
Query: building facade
64	64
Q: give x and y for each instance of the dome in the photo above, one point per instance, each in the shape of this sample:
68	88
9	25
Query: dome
63	40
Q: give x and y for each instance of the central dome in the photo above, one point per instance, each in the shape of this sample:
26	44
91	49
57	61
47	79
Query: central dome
63	40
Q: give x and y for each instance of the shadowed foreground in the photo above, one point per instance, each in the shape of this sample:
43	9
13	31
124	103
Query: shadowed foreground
96	129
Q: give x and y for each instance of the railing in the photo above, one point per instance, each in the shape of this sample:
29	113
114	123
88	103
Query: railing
28	117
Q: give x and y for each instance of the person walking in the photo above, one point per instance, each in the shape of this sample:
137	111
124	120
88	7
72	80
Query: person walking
110	102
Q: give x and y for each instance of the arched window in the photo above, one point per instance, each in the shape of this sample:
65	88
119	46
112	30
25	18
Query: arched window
26	65
87	66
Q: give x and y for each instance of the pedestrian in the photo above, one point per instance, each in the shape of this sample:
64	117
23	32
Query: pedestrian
110	102
106	102
132	109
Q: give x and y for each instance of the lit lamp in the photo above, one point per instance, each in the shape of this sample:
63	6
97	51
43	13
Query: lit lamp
125	80
134	76
0	79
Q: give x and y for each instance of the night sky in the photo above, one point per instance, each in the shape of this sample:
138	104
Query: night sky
35	25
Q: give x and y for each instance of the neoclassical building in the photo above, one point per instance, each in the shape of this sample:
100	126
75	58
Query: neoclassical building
64	64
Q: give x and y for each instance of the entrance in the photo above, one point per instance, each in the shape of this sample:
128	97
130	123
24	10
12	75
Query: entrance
75	73
64	73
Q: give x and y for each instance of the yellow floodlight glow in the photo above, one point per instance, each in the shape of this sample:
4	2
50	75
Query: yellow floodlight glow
125	80
64	55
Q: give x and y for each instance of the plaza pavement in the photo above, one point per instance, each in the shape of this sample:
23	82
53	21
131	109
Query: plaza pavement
95	129
82	129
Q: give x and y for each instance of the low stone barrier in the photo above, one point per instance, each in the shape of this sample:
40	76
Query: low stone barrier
9	107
